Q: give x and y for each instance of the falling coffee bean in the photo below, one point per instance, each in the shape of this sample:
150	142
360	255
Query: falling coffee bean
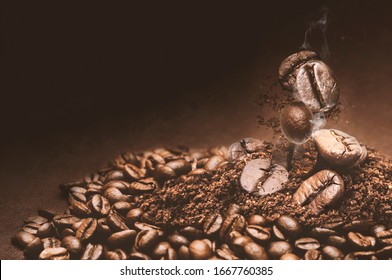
296	122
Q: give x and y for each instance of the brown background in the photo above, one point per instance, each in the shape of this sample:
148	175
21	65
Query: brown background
80	84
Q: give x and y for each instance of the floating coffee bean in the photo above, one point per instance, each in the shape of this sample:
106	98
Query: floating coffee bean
51	242
338	148
235	222
241	149
257	220
332	253
31	228
36	220
177	240
92	252
336	241
260	177
73	245
116	222
143	186
254	251
279	248
58	253
213	163
22	239
139	256
296	122
121	239
307	244
289	226
99	205
359	241
200	250
313	255
289	257
116	254
384	237
212	224
322	190
146	239
289	68
33	249
258	234
87	229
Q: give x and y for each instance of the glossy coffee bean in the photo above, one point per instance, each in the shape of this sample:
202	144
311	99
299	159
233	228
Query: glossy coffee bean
122	239
258	234
213	163
257	220
359	241
143	186
116	222
122	207
58	253
31	228
177	240
62	221
289	257
307	244
133	215
161	250
36	220
99	205
200	250
322	232
384	237
234	222
139	256
241	149
279	248
184	253
92	252
133	172
116	254
212	224
87	229
33	249
22	239
361	226
51	242
332	253
46	230
80	209
336	241
254	251
296	122
260	177
313	255
73	245
377	228
146	239
278	234
144	226
320	191
237	244
289	226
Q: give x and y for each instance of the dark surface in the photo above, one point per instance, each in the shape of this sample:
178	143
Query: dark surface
80	84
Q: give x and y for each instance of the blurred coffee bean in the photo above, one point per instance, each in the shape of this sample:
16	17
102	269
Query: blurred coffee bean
36	220
143	186
146	239
226	254
241	149
116	222
258	234
22	239
122	239
219	151
67	232
332	253
377	228
307	244
296	122
233	209
191	232
254	251
359	241
289	257
234	222
31	228
99	205
51	242
237	244
116	254
260	177
177	240
73	245
197	171
257	220
139	256
200	250
45	230
279	248
289	226
313	255
320	191
384	237
385	252
87	229
33	249
58	253
338	148
161	249
184	253
336	241
114	195
213	163
92	252
212	224
361	226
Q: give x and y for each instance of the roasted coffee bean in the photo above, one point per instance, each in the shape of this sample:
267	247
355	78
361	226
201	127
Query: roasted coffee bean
46	230
338	148
143	186
58	253
321	232
114	195
122	186
139	256
122	207
234	222
296	122
36	220
33	249
200	250
289	226
237	244
171	254
201	162
307	244
233	209
22	239
322	190
80	209
278	234
279	248
145	226
191	232
65	187
73	245
385	252
364	255
336	241
31	228
334	224
116	222
219	151
47	214
116	254
62	221
332	253
289	257
92	252
257	220
212	224
313	255
114	175
103	228
258	234
225	253
384	237
197	171
122	239
99	205
133	215
241	149
254	251
160	250
134	172
184	253
357	226
87	229
74	196
146	239
359	241
377	228
289	68
67	232
177	240
260	177
213	163
51	242
152	161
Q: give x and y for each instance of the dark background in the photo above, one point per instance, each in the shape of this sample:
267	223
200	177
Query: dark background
81	83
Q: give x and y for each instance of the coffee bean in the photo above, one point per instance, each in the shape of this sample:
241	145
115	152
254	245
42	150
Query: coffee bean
114	195
99	205
289	68
133	215
296	122
146	239
184	253
212	224
65	187
114	175
116	222
197	171
35	220
307	244
177	240
103	228
313	255
278	234
74	196
67	232
241	149
332	253
51	242
143	186
226	254
122	239
260	177
289	226
116	254
87	229
219	151
233	209
122	207
258	234
384	237
92	252
152	161
145	226
33	249
47	214
289	257
139	256
254	251
377	228
364	255
122	186
257	220
45	230
338	148
237	244
234	222
321	232
58	253
200	250
361	226
279	248
62	221
191	232
73	245
385	252
161	250
336	241
31	228
359	241
322	190
133	172
22	239
80	209
213	163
